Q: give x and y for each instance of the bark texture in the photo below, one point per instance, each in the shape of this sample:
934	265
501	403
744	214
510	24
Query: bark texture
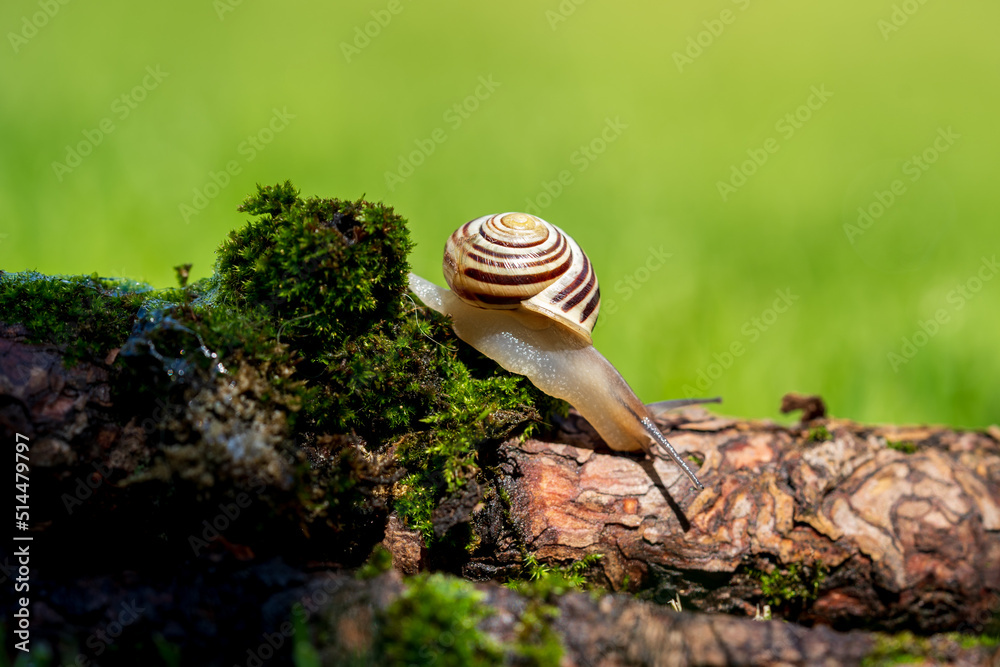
615	630
839	523
866	535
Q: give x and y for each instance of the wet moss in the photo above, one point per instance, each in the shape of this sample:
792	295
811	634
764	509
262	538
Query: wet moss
332	275
88	316
301	366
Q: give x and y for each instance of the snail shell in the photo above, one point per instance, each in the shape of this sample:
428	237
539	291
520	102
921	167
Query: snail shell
524	294
516	260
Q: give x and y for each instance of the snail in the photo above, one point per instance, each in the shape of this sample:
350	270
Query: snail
525	295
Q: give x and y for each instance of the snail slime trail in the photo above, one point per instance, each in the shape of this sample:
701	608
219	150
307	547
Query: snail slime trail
524	294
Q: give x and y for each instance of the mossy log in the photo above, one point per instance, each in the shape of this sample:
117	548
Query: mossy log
597	631
832	522
209	455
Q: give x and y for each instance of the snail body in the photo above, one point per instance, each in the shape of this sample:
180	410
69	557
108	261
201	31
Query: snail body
525	295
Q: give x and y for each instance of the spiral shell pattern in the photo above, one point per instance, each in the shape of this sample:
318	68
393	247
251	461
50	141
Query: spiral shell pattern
516	260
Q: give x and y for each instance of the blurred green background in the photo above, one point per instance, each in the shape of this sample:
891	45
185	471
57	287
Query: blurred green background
641	110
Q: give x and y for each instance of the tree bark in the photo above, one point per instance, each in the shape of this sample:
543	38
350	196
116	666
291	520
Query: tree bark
879	538
615	630
854	525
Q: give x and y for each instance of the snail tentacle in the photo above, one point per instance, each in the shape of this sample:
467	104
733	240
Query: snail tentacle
659	407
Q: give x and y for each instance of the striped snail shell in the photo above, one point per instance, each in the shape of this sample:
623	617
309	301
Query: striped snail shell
499	268
516	260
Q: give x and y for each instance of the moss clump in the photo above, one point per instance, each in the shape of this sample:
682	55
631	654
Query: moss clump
341	264
537	641
302	356
477	412
379	562
326	278
819	434
435	622
792	588
538	644
905	648
329	278
972	641
86	315
904	446
541	581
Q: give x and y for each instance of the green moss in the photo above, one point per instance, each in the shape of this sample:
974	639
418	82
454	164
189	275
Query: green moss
901	657
435	622
537	641
975	641
791	587
378	562
331	276
304	654
542	581
308	308
538	644
341	264
905	648
904	446
168	652
899	649
326	278
819	434
88	316
478	412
